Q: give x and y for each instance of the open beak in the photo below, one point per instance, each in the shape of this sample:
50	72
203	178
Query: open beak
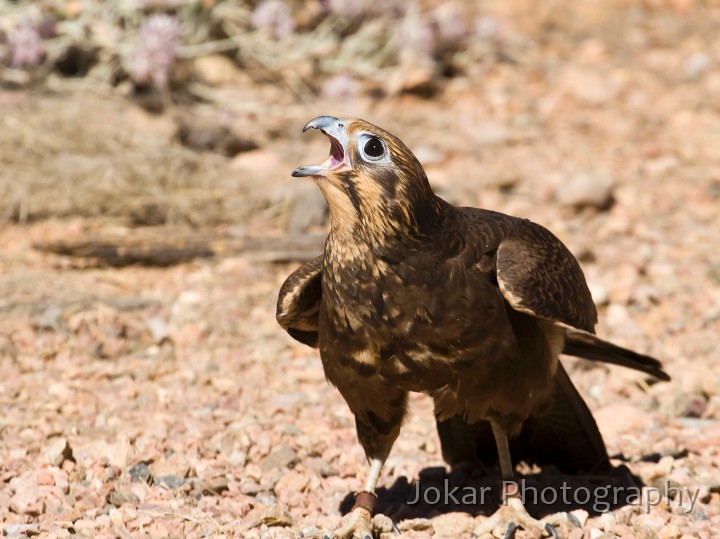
336	130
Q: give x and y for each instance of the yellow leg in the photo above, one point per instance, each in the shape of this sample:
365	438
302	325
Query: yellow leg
512	514
358	523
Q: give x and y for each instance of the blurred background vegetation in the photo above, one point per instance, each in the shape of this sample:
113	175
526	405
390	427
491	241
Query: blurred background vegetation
142	110
310	47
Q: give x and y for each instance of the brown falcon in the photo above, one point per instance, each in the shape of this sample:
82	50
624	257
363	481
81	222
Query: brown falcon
470	306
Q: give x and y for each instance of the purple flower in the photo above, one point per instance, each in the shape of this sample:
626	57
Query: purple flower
352	9
346	8
25	43
157	50
275	17
417	41
490	28
451	23
340	88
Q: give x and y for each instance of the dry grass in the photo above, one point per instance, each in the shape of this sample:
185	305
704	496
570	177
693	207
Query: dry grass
85	159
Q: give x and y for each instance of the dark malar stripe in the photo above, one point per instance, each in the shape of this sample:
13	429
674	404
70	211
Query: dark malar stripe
351	190
387	179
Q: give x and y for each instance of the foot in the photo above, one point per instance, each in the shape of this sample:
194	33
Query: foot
514	515
356	524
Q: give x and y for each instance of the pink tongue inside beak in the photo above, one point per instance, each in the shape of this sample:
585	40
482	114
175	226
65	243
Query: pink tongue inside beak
336	155
336	160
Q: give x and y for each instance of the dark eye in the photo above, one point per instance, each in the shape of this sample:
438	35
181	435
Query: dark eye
374	148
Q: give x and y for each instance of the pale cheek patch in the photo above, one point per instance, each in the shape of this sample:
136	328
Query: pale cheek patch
343	216
373	202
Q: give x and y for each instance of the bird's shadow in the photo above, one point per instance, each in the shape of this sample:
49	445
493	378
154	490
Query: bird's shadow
470	489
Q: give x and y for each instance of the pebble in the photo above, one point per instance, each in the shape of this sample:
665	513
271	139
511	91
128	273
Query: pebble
416	524
622	531
171	481
44	477
293	481
140	489
276	515
120	496
491	134
281	457
617	418
158	529
586	189
84	525
139	472
589	86
176	465
278	533
599	293
185	309
670	531
696	64
17	530
57	451
452	525
159	329
252	471
51	318
266	498
27	497
689	405
139	522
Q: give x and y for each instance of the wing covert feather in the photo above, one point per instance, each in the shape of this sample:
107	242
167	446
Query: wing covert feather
298	304
538	275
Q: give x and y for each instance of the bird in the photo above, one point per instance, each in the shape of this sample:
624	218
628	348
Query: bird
469	306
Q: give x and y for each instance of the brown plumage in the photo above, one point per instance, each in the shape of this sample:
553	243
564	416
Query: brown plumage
467	305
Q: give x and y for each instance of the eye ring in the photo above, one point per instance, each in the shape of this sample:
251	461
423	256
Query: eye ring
374	149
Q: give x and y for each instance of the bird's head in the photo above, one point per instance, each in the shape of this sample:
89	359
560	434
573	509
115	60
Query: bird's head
372	182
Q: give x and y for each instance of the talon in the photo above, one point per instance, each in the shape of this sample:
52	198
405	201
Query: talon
552	531
511	529
575	520
512	516
396	530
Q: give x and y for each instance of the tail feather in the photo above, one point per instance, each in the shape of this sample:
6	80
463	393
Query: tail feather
586	345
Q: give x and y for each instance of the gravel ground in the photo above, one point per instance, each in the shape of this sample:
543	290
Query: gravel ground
166	402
